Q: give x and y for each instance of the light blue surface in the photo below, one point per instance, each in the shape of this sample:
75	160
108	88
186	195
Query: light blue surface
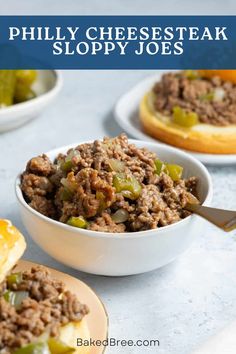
183	303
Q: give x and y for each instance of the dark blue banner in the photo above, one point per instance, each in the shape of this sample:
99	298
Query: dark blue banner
118	42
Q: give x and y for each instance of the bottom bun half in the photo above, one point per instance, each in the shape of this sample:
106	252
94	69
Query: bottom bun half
204	138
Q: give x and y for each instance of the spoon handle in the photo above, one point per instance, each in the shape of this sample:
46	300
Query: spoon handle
225	219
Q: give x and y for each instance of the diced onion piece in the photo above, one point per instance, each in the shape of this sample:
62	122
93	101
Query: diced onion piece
219	94
128	194
15	298
70	182
116	165
121	215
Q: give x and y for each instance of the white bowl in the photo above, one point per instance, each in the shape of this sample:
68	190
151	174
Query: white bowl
46	87
116	254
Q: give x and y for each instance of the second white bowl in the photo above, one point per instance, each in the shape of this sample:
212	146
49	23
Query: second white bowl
116	254
46	87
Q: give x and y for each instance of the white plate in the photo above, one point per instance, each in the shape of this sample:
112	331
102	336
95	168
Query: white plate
126	115
46	87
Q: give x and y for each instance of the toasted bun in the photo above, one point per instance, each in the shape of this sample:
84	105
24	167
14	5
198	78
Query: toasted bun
204	138
73	330
12	246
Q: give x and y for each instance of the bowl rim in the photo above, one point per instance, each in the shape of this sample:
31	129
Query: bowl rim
38	99
122	235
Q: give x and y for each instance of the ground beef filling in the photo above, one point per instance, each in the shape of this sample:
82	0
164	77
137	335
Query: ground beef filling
197	95
81	184
47	307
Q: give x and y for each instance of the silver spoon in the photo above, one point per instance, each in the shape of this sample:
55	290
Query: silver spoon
225	219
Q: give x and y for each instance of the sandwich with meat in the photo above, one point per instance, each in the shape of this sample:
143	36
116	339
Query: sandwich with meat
37	313
193	110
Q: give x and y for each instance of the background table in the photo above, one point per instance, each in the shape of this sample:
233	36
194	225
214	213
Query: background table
183	303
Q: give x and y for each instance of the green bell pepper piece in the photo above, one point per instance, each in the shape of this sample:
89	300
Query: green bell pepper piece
77	221
183	118
14	278
174	171
128	186
160	166
34	348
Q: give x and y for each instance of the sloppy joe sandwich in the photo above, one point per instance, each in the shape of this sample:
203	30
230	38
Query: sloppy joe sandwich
194	110
37	313
108	185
